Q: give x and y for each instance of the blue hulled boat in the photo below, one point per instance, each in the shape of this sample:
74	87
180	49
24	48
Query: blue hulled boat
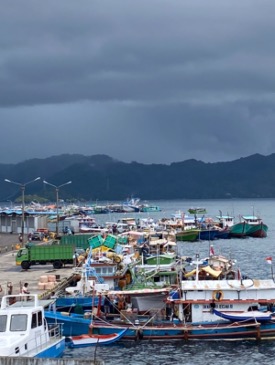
195	313
208	234
73	324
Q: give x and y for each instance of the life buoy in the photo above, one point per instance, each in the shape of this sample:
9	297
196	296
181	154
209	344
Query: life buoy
217	295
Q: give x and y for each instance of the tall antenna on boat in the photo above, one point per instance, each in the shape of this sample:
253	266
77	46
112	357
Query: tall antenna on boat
197	266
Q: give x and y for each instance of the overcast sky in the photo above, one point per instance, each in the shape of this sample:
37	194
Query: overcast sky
152	81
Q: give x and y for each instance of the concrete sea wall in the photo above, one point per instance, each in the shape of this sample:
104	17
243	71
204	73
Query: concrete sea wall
32	361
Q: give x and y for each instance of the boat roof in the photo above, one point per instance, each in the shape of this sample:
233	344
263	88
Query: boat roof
19	302
207	269
224	217
139	291
160	241
247	284
218	259
250	217
134	233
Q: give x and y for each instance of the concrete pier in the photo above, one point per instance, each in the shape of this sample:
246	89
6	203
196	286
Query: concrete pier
10	273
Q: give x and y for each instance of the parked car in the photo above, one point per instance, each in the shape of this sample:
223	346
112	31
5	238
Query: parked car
37	236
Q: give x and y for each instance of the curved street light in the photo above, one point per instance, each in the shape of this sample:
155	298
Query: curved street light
22	186
57	187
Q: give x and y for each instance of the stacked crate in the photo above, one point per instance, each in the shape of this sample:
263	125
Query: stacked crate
47	282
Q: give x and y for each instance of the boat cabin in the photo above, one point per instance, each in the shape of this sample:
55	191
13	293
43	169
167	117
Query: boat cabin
225	221
252	219
200	297
24	330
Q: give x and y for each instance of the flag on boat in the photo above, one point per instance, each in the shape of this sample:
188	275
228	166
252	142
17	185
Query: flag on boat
211	251
269	260
239	275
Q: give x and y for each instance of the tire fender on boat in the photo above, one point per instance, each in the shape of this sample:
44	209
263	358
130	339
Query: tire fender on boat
217	295
139	334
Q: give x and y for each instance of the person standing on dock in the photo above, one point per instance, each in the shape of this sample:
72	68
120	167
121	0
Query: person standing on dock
25	291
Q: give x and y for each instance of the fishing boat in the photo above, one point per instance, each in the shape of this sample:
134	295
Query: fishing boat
24	331
189	312
146	208
94	340
131	205
257	228
198	210
249	226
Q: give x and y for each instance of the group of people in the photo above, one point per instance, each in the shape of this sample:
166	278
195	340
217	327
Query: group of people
9	289
114	304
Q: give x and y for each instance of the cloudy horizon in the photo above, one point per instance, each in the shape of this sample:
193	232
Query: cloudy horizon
149	81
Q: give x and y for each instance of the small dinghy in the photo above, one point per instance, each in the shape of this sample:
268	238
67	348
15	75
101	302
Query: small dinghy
94	340
245	316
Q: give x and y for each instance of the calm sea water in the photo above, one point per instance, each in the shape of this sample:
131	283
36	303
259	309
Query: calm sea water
250	254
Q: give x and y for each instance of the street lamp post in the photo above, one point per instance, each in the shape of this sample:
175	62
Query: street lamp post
57	199
22	186
10	203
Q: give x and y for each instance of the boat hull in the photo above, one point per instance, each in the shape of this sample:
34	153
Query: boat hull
70	302
223	234
213	331
239	230
257	231
208	234
54	351
187	236
73	324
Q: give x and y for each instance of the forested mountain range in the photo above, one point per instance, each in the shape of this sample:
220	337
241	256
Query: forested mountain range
101	177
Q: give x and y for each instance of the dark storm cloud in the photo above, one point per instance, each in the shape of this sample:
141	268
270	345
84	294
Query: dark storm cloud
152	81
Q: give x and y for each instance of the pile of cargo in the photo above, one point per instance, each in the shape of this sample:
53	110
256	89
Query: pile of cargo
47	282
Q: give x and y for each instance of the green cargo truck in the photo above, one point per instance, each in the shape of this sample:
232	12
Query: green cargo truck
77	240
58	255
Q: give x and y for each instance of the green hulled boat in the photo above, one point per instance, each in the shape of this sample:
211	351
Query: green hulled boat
197	211
189	235
251	226
239	230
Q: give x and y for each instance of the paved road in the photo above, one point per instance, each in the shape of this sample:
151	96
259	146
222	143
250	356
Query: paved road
7	239
9	272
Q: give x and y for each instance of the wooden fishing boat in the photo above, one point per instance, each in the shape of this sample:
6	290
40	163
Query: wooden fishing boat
190	312
94	340
257	228
250	226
